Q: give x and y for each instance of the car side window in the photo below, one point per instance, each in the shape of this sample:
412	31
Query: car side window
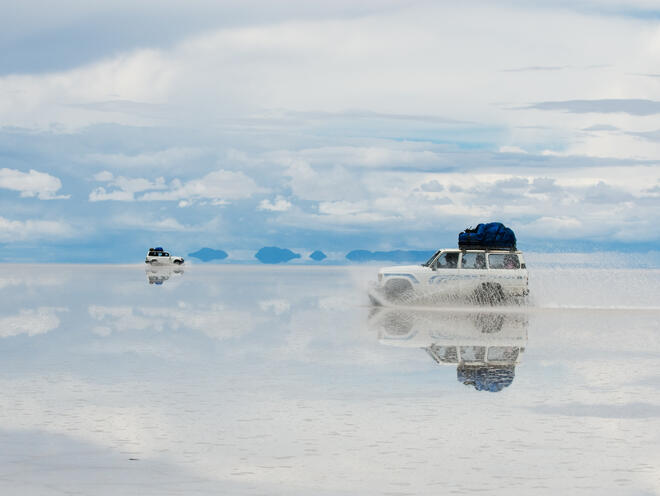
473	353
473	261
503	353
447	260
166	254
503	261
445	354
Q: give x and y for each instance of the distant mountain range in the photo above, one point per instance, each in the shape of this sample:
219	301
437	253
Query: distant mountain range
208	254
276	255
318	255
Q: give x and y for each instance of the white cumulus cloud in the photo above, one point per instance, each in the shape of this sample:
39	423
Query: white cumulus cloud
511	149
31	184
280	204
215	188
22	230
169	156
220	185
125	188
149	223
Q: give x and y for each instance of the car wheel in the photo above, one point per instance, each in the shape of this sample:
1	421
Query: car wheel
399	323
489	294
489	322
178	262
153	262
398	290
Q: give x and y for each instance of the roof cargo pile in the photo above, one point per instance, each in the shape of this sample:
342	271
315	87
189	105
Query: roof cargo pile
490	236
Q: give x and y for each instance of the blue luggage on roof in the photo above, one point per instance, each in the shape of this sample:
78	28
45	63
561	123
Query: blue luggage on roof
158	248
493	236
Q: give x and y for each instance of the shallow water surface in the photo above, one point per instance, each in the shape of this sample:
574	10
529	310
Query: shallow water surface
283	380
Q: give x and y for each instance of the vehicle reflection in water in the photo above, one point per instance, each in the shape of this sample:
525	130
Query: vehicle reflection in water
159	274
485	346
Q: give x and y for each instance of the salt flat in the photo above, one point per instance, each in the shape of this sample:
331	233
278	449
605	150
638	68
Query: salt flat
282	380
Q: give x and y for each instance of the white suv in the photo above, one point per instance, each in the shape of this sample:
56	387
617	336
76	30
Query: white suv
484	276
157	256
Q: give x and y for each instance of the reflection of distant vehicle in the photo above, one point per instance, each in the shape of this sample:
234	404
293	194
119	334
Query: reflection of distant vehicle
485	346
485	276
157	256
158	275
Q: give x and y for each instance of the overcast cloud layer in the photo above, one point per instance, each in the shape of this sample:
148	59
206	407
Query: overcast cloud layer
385	125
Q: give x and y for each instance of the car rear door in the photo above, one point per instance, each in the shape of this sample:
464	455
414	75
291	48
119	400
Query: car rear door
472	270
505	268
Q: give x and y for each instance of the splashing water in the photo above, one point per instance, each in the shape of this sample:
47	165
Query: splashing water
556	287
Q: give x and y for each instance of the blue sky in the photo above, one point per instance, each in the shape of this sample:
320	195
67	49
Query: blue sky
388	125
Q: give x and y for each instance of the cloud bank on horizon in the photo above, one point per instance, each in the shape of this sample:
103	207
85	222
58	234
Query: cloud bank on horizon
385	125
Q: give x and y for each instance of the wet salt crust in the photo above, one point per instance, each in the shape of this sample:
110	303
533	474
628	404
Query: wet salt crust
261	380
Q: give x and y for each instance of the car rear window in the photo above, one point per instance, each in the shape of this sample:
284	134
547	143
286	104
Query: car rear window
473	353
445	354
473	261
503	261
503	353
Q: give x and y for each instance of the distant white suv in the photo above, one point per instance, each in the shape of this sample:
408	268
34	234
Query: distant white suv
484	276
157	256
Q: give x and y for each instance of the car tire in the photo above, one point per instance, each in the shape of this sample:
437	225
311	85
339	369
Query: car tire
398	290
399	324
489	294
153	262
489	323
177	262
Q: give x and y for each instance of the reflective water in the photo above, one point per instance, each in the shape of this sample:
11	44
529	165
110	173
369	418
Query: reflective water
282	380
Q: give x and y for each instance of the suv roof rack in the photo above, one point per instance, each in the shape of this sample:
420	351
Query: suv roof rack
487	248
